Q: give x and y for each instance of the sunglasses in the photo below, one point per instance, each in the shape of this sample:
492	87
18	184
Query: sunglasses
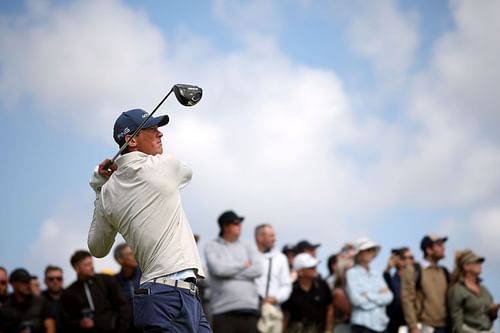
3	282
54	278
407	257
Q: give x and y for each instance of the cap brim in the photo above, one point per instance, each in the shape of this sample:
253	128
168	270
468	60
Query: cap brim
158	121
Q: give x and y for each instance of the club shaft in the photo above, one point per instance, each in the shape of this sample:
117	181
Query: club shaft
137	130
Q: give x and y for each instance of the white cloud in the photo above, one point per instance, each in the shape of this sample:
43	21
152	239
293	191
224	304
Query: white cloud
249	18
385	34
81	61
60	235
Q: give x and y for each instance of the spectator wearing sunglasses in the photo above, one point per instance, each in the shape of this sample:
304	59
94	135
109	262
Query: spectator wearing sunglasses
399	260
52	295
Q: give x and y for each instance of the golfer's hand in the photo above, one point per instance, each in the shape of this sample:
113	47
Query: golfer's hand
103	171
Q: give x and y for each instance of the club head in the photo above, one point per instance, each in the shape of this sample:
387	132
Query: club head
187	95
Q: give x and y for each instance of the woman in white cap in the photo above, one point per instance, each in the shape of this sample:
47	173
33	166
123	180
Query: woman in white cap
367	290
470	304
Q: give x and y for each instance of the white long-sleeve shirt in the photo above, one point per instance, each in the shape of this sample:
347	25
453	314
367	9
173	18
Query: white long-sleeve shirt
141	201
368	303
280	284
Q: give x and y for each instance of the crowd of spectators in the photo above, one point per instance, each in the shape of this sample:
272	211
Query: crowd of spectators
255	287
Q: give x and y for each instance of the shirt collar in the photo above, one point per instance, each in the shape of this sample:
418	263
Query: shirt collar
129	157
426	264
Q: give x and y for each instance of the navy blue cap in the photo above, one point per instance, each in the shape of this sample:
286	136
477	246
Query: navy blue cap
229	217
130	120
20	275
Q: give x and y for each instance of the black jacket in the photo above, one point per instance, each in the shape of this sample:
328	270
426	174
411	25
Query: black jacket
15	316
110	314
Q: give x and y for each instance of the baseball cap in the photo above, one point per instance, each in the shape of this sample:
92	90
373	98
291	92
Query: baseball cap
304	244
288	248
304	260
471	257
365	243
20	275
229	217
130	120
429	240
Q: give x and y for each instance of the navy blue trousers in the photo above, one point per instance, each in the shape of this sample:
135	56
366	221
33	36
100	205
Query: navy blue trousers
169	309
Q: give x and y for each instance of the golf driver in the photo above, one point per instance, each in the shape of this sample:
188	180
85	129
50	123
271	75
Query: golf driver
186	94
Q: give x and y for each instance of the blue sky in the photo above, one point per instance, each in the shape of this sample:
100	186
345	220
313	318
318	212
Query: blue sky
331	120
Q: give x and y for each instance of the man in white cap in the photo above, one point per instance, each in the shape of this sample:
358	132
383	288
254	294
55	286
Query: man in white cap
310	304
367	291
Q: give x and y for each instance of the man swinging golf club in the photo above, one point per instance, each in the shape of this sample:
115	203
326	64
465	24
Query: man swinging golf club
138	197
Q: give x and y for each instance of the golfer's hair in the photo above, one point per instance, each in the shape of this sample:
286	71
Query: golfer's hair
78	256
119	249
3	269
52	268
259	228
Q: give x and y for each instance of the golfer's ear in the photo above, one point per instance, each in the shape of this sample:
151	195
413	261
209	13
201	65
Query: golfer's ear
132	142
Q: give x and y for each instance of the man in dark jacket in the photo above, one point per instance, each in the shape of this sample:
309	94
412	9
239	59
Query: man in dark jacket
23	311
128	278
54	282
93	303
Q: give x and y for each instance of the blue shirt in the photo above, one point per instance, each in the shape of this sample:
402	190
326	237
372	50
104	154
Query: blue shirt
368	304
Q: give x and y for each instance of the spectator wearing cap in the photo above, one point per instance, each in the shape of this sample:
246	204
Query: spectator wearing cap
274	285
3	285
400	259
367	290
233	266
305	246
52	295
309	308
94	302
23	311
423	288
128	278
470	303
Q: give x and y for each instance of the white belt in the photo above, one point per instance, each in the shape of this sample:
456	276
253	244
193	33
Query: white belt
193	288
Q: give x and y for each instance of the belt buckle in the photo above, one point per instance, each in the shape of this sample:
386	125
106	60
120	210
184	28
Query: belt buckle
193	289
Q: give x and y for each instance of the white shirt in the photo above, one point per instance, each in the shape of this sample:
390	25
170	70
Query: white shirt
368	304
141	201
280	284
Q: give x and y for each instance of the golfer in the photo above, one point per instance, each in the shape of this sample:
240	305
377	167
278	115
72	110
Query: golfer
139	198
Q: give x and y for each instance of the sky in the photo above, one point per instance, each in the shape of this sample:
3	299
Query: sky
331	120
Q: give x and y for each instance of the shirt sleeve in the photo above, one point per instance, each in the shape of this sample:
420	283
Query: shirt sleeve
455	309
255	269
355	291
409	296
101	233
218	265
285	283
381	299
96	180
